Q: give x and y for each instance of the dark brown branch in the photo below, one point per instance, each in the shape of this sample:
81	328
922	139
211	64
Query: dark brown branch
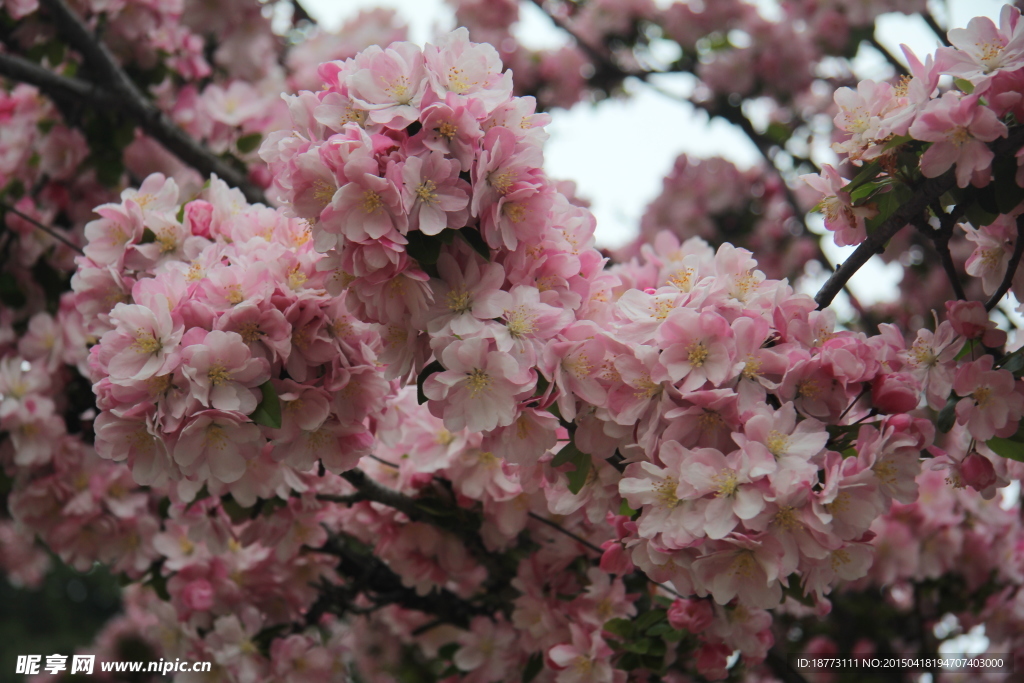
924	196
940	241
121	92
893	62
600	57
53	84
45	228
459	525
299	13
373	578
561	529
934	26
1011	267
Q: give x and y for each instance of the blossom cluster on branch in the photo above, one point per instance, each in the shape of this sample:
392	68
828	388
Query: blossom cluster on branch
409	421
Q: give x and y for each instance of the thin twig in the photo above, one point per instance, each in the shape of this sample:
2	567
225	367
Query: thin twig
299	13
601	58
1011	267
934	26
568	533
53	84
123	94
45	228
889	57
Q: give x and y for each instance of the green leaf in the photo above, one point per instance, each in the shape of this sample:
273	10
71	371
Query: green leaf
887	204
625	510
268	412
148	236
159	584
778	133
533	667
623	628
964	85
640	647
578	477
978	216
473	238
867	174
865	191
447	651
436	366
1008	448
967	349
896	141
1013	362
569	453
181	213
424	248
248	143
658	630
648	619
947	416
235	511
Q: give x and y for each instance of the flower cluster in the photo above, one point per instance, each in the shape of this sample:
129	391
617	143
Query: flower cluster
211	317
879	119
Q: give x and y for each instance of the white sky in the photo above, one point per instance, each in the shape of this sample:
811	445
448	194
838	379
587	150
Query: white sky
619	151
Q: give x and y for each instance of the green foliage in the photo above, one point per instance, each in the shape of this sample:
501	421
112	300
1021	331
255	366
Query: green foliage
268	412
248	143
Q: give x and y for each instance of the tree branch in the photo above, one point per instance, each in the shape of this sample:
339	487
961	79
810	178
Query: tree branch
121	92
458	525
4	207
53	84
934	26
1011	267
557	527
371	576
926	193
601	58
895	63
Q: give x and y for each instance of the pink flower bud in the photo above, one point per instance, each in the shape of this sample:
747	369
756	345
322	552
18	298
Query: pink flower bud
977	472
198	595
198	215
690	615
970	319
895	393
712	660
615	559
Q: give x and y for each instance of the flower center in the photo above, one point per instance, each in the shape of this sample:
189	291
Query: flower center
697	354
478	381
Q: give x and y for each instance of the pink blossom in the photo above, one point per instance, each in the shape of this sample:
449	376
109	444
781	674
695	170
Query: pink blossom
981	50
389	83
990	404
223	372
479	388
697	347
958	128
215	444
743	567
142	345
435	197
841	216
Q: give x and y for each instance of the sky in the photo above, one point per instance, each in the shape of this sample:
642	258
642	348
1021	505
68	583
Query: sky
650	130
